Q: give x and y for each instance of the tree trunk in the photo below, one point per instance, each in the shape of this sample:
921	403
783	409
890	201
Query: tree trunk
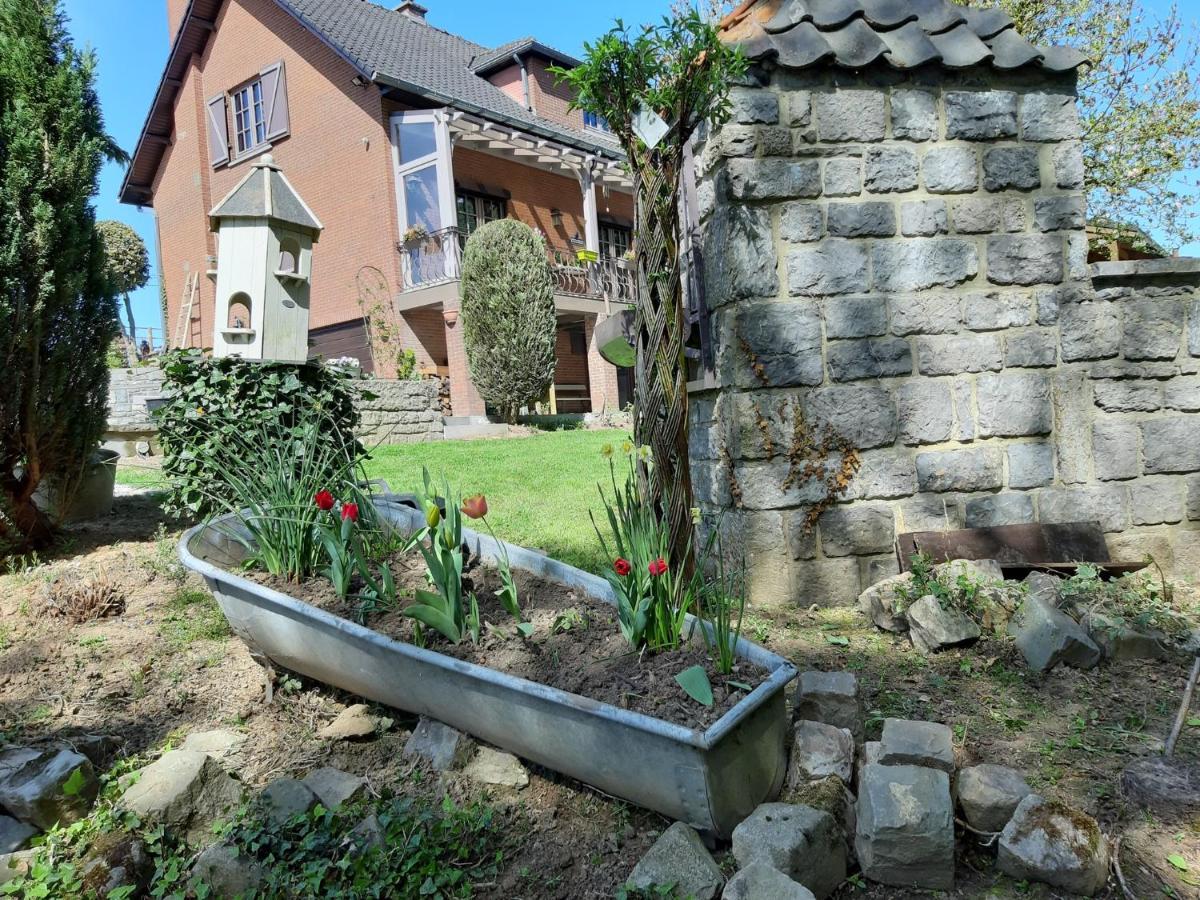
131	350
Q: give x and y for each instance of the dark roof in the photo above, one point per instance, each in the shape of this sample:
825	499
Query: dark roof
503	55
905	34
395	50
265	194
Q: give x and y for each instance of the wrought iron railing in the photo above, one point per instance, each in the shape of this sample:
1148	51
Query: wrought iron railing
437	258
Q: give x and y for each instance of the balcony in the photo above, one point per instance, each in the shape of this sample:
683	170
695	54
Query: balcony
436	260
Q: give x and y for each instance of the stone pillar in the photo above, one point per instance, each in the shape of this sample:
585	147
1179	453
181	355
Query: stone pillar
887	254
464	399
602	375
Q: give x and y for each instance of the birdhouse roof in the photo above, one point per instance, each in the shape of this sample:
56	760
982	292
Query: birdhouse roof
266	194
905	34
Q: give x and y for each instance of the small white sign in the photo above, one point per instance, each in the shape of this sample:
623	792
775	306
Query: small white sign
649	126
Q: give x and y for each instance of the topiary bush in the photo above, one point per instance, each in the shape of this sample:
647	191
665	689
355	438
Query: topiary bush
211	402
508	316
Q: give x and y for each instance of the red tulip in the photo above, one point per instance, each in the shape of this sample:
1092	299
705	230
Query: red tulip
658	567
622	567
324	501
350	511
475	507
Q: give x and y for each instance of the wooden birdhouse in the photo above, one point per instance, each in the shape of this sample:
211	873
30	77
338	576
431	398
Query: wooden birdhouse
265	234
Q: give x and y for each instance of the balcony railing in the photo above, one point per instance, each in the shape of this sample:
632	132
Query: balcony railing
437	259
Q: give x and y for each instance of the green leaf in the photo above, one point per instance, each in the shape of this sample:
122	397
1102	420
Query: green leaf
526	629
75	783
437	620
694	681
740	685
1194	722
837	639
1178	862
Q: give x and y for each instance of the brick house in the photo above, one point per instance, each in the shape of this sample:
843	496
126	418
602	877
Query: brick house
387	127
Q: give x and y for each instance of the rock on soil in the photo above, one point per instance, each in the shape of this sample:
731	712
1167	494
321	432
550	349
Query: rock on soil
827	795
116	861
1053	844
352	723
905	833
990	794
334	787
226	747
1040	584
878	603
820	750
1120	642
227	872
1168	787
679	857
832	698
14	835
14	865
759	881
1047	636
184	790
979	571
438	744
803	843
495	767
910	743
284	799
33	785
933	628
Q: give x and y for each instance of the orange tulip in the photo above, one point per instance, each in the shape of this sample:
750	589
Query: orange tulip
475	507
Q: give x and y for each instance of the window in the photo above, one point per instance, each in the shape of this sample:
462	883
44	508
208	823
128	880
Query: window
615	240
239	312
591	120
475	210
249	117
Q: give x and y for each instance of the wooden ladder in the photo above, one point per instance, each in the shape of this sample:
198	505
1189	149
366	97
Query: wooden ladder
183	326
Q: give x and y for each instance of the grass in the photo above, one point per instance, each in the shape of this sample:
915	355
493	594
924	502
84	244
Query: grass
539	489
193	615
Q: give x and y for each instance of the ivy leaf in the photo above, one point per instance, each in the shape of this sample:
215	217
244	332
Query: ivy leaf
1194	722
694	681
75	783
1178	862
838	639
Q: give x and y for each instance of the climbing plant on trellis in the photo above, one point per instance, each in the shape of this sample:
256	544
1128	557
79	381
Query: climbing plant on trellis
654	86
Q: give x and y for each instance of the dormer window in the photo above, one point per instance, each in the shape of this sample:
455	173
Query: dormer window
595	122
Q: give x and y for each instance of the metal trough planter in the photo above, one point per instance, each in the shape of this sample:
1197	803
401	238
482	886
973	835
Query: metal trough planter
709	779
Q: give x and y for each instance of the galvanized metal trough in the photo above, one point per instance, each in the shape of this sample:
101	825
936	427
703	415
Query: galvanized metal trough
711	779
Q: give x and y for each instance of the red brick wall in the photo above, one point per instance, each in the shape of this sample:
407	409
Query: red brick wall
175	10
509	81
347	182
551	101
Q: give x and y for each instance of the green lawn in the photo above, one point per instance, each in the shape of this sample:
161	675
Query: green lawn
539	488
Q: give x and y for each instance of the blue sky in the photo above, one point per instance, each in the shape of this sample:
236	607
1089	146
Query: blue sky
130	38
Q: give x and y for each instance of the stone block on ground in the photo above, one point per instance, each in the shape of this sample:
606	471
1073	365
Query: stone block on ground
828	794
1040	584
979	571
490	766
989	795
803	843
227	871
832	698
878	603
905	831
113	861
15	865
820	750
1118	641
909	743
760	881
1056	845
438	744
225	746
286	798
352	723
334	787
33	785
933	627
14	835
185	791
679	857
1047	636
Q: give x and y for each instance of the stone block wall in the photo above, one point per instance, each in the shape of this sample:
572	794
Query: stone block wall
902	259
403	412
128	418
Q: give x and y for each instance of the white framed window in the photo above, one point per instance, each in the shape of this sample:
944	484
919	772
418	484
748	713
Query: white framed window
425	191
249	117
595	122
260	117
615	240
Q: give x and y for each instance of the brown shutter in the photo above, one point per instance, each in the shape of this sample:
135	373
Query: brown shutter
274	84
218	131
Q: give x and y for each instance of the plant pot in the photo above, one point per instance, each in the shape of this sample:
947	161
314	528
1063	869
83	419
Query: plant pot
711	779
93	499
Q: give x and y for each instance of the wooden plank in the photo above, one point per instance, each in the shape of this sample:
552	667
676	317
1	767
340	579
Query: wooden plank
1009	544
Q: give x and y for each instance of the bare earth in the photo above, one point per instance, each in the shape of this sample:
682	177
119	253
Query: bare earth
166	667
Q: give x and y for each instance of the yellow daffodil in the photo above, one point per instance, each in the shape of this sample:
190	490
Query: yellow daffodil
607	451
627	446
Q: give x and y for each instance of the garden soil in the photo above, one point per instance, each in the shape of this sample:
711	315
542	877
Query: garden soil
164	668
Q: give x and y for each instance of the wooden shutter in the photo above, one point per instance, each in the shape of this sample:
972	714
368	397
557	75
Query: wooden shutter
274	84
218	131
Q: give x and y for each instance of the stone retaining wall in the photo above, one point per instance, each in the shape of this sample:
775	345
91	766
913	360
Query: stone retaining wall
404	412
902	259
